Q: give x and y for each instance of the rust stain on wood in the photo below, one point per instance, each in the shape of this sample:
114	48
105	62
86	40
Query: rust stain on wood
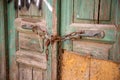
77	67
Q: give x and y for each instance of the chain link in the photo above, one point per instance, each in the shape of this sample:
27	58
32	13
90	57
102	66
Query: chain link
50	39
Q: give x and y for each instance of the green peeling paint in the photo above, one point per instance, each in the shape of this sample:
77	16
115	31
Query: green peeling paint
11	31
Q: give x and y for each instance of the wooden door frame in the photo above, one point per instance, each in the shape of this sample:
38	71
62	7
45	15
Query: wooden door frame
3	66
54	30
7	39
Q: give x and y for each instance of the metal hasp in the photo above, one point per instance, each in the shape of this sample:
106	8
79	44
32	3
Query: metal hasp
90	34
93	33
27	41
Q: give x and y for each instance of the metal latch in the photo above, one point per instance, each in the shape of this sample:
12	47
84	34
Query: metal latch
93	33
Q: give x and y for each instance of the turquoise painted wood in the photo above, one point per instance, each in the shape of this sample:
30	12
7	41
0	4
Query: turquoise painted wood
2	43
49	28
11	30
84	11
94	11
11	38
52	62
107	11
73	14
118	12
106	14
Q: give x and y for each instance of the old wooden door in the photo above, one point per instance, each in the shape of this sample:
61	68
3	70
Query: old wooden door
30	58
92	15
26	62
20	62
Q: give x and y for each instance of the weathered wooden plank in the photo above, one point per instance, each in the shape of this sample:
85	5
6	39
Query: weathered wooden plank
118	11
25	72
108	12
105	10
11	38
74	66
45	77
30	42
115	51
66	20
82	26
104	70
15	70
34	59
97	50
2	43
31	20
54	45
85	11
96	15
37	74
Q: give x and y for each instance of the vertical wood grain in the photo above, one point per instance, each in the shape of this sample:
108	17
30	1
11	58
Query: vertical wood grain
54	45
118	12
85	9
11	38
45	75
108	11
105	10
37	74
25	72
15	71
2	43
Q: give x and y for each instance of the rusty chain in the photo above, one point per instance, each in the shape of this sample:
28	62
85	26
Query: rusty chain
50	39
